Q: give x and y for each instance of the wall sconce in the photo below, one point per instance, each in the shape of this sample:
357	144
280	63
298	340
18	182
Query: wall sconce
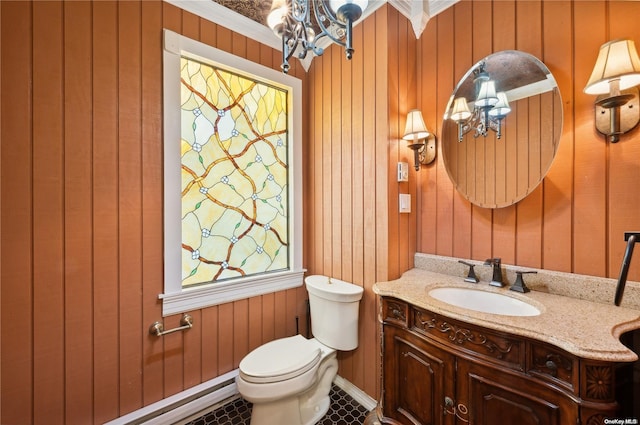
615	77
489	107
421	140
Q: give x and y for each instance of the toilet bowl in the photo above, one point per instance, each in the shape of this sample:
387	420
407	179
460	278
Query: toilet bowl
288	380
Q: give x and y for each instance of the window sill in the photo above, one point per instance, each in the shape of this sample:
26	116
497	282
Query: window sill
232	290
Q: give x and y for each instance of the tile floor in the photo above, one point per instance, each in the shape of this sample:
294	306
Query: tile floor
344	410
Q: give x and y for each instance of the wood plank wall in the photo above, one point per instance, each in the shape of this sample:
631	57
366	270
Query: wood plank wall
575	220
356	110
81	204
81	188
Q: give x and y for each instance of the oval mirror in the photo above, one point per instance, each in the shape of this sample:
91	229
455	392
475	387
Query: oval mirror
502	128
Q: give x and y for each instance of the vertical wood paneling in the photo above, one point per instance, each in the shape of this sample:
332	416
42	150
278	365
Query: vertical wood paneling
105	209
327	165
446	83
17	233
393	116
152	197
558	185
130	203
78	215
335	182
358	195
347	181
371	27
81	188
48	220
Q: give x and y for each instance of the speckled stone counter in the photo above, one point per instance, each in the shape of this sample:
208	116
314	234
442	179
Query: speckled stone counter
588	328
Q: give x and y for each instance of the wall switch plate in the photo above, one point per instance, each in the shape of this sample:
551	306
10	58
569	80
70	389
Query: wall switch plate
405	203
403	171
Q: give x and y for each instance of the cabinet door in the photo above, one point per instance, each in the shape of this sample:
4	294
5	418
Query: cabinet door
495	397
417	379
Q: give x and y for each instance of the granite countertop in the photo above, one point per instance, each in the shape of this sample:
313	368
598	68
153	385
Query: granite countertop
585	328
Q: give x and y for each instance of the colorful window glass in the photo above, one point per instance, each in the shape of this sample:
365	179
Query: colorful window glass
234	175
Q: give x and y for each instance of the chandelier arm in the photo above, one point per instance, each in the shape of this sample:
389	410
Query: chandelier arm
325	30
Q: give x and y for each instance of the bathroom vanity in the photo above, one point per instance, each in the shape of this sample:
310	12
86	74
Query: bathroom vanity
444	364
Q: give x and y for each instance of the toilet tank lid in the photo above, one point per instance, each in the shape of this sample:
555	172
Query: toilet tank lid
285	356
333	289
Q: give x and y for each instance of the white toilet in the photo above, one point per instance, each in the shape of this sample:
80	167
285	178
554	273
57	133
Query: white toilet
288	380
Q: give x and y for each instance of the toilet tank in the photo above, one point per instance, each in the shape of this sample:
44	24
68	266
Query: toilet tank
334	308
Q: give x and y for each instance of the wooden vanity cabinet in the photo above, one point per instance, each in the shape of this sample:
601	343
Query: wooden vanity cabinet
438	371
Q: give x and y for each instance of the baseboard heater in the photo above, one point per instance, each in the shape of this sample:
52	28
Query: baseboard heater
184	404
208	394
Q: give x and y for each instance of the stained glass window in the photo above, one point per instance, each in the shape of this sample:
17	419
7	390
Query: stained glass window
234	175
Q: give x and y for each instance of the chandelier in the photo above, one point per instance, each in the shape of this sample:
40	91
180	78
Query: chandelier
291	20
489	107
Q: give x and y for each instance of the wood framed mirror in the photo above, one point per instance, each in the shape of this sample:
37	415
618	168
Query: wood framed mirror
495	157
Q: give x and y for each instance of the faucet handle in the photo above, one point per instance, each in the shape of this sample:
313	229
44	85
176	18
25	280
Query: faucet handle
471	276
519	285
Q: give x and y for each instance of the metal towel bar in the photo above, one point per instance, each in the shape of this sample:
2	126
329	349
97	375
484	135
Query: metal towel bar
157	328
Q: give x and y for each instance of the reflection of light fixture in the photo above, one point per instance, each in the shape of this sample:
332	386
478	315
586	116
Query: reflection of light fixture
291	21
615	77
422	141
489	107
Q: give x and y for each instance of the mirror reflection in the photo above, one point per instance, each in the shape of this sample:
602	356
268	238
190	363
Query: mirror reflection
501	129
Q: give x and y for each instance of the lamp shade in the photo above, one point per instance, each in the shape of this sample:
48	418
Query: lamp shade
460	109
618	59
487	95
351	9
277	15
501	108
415	128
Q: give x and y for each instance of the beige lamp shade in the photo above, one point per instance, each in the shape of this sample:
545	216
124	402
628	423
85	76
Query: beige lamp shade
617	60
415	128
277	15
487	95
460	109
501	108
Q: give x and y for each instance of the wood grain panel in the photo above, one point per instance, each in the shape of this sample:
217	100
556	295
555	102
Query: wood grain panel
78	215
105	210
371	27
152	197
446	84
17	212
130	204
336	181
558	184
81	188
48	219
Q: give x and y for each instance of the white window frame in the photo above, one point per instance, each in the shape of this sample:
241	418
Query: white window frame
175	298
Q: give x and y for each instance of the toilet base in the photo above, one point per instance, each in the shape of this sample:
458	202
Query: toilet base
303	409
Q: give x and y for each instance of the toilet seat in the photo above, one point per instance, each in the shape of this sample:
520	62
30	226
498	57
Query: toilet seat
280	360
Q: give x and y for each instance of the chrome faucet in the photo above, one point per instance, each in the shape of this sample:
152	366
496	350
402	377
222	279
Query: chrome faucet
497	271
631	238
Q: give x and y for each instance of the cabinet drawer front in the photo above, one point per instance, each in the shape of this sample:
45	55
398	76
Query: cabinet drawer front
553	365
395	311
492	346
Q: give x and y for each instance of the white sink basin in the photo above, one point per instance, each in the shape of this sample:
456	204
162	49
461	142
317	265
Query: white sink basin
485	302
